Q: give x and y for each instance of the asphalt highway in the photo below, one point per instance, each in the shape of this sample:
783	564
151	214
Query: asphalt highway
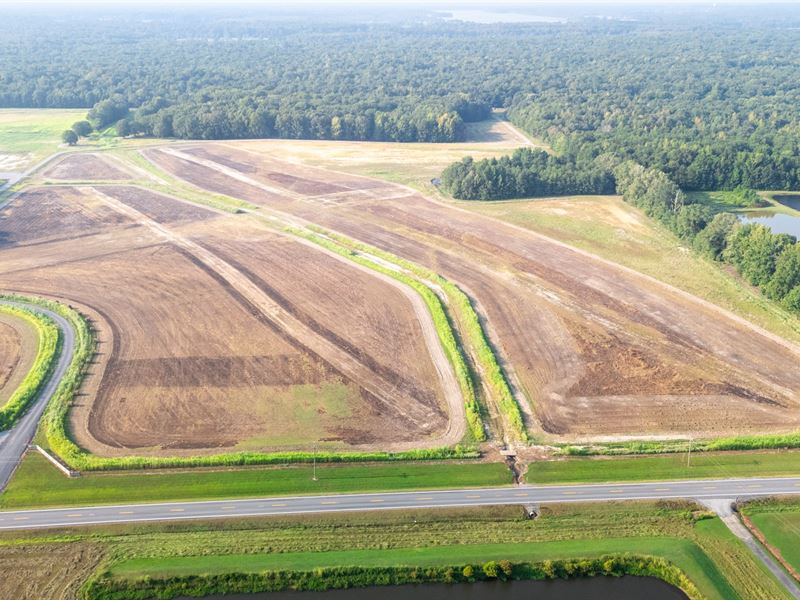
704	489
14	442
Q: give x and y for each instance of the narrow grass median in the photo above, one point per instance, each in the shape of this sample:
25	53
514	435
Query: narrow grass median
37	484
666	467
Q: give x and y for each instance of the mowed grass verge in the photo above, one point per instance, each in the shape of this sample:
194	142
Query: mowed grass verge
38	484
779	522
775	463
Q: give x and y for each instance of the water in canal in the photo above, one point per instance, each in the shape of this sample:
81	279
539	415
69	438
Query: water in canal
592	588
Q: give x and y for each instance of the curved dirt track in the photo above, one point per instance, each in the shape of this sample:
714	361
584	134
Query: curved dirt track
600	350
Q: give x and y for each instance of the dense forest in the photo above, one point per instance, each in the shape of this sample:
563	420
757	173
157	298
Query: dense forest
708	97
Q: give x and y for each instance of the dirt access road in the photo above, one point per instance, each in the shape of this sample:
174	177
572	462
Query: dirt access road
598	351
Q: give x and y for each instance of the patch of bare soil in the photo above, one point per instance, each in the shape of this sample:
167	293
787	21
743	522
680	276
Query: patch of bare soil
55	571
83	166
587	340
195	354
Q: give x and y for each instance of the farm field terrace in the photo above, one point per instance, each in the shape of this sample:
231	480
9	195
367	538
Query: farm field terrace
594	351
18	347
196	356
699	545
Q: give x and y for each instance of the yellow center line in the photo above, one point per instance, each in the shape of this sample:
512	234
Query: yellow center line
276	504
331	502
125	512
73	515
568	493
710	487
617	491
175	510
425	498
522	495
20	518
662	489
228	508
376	501
757	485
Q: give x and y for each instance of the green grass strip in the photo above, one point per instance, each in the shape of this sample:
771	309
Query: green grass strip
48	338
37	484
474	332
444	328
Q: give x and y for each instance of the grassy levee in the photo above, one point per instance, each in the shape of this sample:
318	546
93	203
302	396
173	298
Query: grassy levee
473	330
462	565
346	550
49	339
665	467
444	327
37	484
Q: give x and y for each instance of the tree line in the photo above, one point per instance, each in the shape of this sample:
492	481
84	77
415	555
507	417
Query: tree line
710	98
526	173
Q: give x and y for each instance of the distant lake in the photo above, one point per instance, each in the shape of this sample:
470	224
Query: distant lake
487	17
777	222
590	588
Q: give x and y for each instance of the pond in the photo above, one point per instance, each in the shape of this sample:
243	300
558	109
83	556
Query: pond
488	17
790	200
593	588
777	222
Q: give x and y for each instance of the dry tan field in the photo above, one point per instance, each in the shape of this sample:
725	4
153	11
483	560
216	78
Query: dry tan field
18	347
85	166
599	351
216	332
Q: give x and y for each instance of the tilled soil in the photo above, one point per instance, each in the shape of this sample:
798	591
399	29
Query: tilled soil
597	349
84	166
186	363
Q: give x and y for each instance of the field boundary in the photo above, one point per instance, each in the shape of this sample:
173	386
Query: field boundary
48	341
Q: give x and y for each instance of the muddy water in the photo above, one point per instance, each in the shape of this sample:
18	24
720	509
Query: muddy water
596	588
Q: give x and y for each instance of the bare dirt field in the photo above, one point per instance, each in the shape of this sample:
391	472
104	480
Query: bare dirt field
84	166
54	571
212	336
599	351
18	347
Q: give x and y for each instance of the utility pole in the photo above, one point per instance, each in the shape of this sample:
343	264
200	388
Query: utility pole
314	477
689	455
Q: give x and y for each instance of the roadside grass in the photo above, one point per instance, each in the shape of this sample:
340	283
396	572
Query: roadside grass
718	564
38	484
665	467
606	226
779	521
33	134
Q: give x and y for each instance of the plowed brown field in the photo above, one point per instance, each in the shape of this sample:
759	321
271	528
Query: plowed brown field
598	350
85	166
216	332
